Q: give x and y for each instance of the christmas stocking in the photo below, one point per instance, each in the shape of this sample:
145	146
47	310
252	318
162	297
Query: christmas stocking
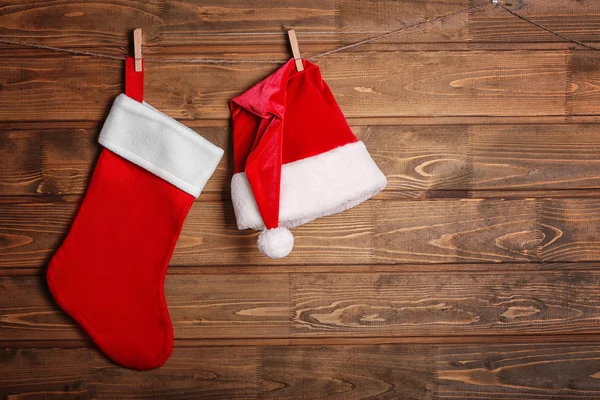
109	272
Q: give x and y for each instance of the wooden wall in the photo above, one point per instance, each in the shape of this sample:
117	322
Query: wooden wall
474	275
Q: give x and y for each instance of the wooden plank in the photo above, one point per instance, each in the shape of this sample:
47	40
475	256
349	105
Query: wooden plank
214	308
207	373
580	21
386	232
545	371
476	161
329	23
47	161
201	373
470	231
570	230
49	374
101	25
233	23
561	371
190	22
443	305
376	232
356	372
106	24
534	157
583	98
313	305
425	84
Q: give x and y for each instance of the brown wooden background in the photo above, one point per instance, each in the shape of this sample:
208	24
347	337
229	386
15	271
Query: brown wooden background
474	275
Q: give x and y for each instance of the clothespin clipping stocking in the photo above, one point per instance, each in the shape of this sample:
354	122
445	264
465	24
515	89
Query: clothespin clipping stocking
295	50
134	69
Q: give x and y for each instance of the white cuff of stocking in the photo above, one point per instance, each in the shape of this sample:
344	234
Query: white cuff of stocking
156	142
313	187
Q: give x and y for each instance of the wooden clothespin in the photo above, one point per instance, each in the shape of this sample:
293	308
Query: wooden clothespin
134	69
137	49
295	50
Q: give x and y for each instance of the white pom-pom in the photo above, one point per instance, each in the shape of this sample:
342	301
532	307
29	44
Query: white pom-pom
276	242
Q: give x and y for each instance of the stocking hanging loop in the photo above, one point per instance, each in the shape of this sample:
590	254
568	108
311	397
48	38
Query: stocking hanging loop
134	81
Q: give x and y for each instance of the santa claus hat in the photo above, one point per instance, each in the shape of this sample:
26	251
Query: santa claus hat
295	157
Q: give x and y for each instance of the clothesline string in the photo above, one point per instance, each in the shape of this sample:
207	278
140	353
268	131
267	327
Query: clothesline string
495	4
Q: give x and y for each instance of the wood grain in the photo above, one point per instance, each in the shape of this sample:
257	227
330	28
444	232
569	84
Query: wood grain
420	162
584	98
52	375
582	230
376	232
578	20
548	371
381	84
444	305
327	23
392	305
534	157
357	372
207	373
166	24
190	373
47	161
98	24
171	24
308	372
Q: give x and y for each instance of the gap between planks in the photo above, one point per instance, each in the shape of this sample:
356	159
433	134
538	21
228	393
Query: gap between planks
411	269
328	341
352	121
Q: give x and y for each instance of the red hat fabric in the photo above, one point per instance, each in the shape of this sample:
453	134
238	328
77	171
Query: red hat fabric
295	157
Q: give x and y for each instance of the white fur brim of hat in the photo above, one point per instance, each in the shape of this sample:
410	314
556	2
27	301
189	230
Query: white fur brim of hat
313	187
